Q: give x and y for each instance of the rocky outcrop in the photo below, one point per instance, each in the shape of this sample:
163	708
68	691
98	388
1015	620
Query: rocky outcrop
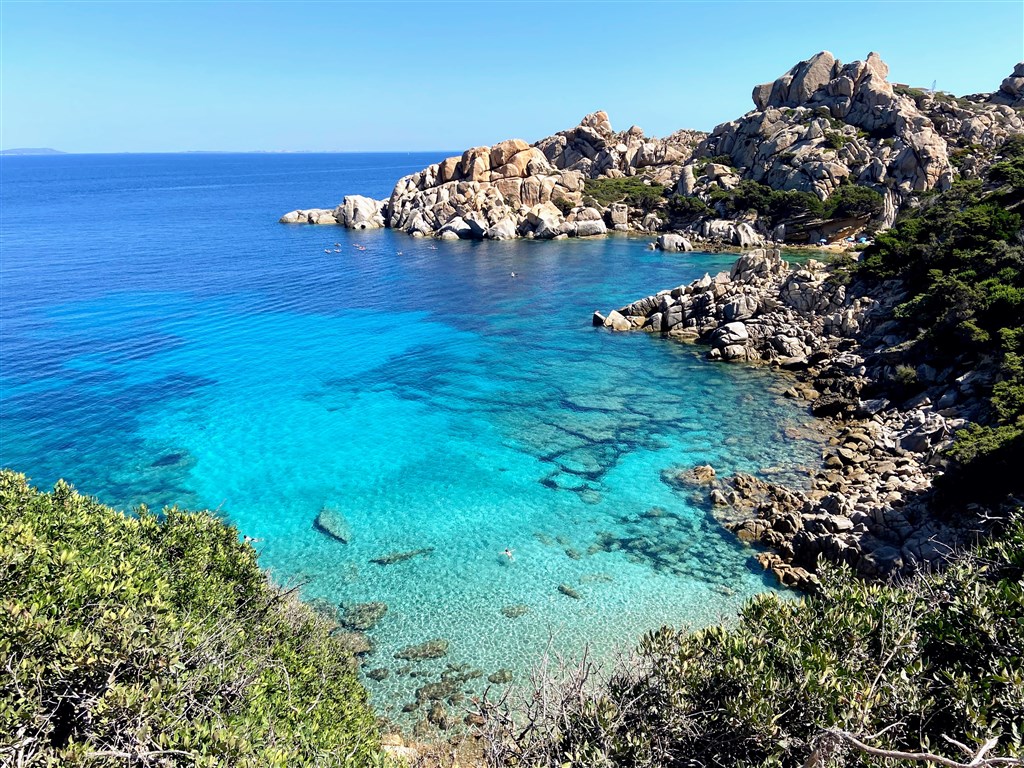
868	506
760	311
824	123
1011	90
358	212
309	216
820	126
673	243
355	212
513	189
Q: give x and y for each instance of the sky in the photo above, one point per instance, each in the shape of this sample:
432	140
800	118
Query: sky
363	76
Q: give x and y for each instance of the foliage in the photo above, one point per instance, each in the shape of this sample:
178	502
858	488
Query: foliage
774	205
684	207
563	205
635	191
836	140
127	639
701	163
851	200
1009	170
939	656
960	258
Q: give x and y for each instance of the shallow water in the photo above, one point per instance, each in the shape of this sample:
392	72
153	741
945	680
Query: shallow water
165	341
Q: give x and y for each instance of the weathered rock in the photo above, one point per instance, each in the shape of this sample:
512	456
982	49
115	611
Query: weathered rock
501	677
358	212
400	557
672	242
568	591
515	611
309	216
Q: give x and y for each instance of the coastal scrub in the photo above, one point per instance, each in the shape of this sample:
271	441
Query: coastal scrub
156	639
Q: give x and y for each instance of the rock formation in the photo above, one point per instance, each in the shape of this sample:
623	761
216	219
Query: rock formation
514	189
355	212
821	125
761	311
868	503
1011	91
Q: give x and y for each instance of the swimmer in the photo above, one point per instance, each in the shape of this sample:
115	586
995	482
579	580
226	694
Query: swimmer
508	553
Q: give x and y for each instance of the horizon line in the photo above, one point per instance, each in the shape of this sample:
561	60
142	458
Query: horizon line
14	152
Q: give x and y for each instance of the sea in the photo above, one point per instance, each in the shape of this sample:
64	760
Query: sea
165	341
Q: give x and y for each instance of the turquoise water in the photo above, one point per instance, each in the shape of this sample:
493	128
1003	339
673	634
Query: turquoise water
165	341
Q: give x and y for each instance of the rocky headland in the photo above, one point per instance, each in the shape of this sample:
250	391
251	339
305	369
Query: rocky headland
868	504
818	129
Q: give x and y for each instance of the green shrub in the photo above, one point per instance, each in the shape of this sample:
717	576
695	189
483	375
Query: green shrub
836	140
851	200
562	205
960	259
906	375
684	207
635	191
768	203
159	634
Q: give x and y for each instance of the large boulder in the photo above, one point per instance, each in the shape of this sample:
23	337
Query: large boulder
672	242
358	212
309	216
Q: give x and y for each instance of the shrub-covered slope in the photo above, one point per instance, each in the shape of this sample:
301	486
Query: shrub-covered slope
156	640
959	259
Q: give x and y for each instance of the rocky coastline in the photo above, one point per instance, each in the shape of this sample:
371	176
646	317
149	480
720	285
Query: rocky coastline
821	127
868	503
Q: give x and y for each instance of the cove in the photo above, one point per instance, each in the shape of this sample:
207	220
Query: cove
167	342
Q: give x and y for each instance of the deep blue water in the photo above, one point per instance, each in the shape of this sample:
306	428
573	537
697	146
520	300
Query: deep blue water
164	341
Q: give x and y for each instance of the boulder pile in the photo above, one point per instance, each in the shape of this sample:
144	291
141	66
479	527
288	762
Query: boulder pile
868	504
760	311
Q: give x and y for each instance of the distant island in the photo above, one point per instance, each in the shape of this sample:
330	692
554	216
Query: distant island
31	151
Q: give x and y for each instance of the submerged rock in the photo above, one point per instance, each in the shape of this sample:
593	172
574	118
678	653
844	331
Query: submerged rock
401	557
501	677
568	591
355	643
432	649
515	611
378	674
333	523
363	616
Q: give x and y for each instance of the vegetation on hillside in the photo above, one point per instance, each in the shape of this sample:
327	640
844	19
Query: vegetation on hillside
960	258
635	191
156	640
777	206
902	667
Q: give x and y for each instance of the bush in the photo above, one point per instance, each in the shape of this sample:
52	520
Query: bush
851	200
836	140
159	634
774	205
960	258
562	205
683	207
939	656
633	190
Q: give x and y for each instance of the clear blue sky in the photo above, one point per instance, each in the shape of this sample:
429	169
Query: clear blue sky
148	76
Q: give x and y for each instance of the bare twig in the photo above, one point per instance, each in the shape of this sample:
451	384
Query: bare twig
977	759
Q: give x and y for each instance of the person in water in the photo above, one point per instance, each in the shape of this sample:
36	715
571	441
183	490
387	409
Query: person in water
508	553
